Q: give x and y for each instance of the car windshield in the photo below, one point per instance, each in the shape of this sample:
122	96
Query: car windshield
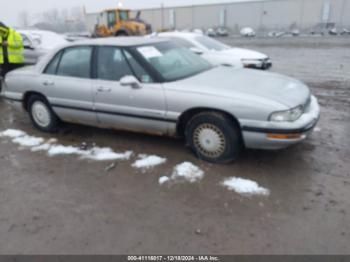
211	44
173	62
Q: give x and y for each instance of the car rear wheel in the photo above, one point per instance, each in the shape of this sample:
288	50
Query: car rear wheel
214	137
41	114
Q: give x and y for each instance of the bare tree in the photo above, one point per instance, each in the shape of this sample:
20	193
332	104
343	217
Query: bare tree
51	17
65	20
24	19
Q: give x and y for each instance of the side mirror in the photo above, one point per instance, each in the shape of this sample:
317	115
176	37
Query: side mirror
28	46
196	50
130	81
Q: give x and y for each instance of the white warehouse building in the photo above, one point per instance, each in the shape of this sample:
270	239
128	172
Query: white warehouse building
261	15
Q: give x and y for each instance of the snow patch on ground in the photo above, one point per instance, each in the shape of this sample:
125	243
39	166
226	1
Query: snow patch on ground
146	161
105	154
12	133
37	144
56	150
187	172
95	153
245	186
28	141
44	147
163	180
21	138
317	129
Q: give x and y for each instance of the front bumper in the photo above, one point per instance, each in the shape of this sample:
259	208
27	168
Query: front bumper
262	64
278	135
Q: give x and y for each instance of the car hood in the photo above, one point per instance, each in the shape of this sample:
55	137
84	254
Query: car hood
243	53
229	82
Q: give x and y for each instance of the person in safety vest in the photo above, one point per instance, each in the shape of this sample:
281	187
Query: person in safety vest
11	50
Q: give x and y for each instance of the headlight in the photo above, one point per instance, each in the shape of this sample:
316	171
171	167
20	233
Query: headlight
252	63
287	116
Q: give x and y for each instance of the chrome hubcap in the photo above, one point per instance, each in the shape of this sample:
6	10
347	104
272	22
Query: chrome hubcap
209	140
41	114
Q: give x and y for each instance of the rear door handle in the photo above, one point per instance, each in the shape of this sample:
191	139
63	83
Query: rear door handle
104	89
48	83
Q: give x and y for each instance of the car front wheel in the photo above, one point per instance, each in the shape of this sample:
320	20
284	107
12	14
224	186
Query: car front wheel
214	137
41	114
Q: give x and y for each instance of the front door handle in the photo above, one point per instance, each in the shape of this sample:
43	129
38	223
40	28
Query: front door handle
48	83
104	89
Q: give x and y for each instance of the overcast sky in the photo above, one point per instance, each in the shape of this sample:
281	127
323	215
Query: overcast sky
10	9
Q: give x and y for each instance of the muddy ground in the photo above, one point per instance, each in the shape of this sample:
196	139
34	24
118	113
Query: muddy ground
63	205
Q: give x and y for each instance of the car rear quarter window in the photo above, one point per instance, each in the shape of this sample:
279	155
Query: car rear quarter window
112	64
76	62
51	69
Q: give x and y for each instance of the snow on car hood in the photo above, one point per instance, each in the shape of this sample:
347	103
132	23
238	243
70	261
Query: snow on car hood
243	53
48	40
247	82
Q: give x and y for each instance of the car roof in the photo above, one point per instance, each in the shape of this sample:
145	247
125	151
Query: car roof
179	34
108	41
121	41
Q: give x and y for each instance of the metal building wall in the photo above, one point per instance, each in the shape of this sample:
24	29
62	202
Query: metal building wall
269	14
207	16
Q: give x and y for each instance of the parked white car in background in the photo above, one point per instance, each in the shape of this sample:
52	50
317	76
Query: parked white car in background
218	53
38	43
247	32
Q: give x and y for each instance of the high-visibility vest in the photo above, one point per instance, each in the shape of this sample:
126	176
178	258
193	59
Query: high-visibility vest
3	31
15	48
1	52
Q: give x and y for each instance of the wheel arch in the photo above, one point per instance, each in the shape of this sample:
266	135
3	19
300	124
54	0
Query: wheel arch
122	32
27	95
186	116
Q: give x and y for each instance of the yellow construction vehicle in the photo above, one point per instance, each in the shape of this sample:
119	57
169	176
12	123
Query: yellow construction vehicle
117	22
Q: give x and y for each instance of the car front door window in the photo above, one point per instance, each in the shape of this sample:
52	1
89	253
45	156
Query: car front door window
137	69
111	64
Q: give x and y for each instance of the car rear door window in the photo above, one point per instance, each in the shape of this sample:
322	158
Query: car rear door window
76	62
111	64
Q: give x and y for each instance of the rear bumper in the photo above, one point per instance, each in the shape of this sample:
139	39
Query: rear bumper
275	135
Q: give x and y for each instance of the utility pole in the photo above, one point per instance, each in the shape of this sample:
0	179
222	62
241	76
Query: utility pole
301	19
162	15
342	13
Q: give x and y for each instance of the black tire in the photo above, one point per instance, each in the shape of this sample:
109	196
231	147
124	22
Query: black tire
121	33
214	127
53	121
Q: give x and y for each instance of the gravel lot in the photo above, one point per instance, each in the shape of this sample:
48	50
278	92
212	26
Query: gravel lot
66	205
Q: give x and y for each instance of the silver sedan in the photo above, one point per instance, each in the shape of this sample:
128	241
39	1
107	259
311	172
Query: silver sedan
158	87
